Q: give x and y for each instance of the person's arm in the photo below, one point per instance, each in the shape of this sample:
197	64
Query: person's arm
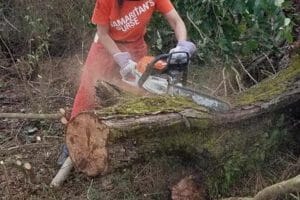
179	28
177	25
123	59
104	38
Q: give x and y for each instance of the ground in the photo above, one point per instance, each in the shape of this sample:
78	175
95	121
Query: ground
39	143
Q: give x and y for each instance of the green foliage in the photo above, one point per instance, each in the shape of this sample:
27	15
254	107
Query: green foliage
232	27
220	28
34	29
253	158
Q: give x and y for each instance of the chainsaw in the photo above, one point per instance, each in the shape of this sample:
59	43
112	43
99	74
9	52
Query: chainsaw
167	74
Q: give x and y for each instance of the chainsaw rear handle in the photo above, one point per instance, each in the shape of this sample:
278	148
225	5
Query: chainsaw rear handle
150	67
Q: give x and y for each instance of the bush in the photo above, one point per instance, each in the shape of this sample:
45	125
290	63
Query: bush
37	28
222	29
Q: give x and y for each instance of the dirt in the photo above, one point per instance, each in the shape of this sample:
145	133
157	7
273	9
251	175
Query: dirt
35	141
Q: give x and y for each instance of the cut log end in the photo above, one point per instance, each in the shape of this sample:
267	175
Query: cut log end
86	139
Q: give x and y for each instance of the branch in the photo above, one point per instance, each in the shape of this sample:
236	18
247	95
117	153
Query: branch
224	79
9	23
273	191
238	79
60	115
30	116
245	70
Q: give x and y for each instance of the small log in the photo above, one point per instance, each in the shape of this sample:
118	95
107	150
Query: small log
62	174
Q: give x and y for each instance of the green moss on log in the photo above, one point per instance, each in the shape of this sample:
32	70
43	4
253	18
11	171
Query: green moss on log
271	87
149	105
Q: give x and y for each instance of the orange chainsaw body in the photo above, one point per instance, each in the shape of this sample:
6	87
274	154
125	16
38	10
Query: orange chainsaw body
146	60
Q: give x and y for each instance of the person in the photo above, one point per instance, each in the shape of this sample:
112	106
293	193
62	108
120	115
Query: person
119	44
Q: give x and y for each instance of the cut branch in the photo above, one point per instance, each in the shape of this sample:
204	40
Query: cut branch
245	70
62	174
274	191
30	116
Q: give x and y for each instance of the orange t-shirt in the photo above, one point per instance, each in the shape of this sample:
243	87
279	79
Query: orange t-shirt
129	22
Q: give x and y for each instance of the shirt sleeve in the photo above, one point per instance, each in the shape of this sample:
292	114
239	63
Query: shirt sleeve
101	12
164	6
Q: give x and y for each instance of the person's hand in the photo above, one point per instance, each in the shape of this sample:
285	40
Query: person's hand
127	65
127	72
182	46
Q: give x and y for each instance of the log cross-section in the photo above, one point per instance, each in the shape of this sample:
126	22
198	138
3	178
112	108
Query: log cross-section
87	144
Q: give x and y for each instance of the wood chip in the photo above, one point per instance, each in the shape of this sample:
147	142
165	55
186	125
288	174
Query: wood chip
64	121
27	166
62	111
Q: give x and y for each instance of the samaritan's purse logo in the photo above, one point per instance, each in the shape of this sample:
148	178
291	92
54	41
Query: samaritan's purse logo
130	20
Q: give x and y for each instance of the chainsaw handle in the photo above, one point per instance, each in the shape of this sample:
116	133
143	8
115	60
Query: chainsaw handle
150	68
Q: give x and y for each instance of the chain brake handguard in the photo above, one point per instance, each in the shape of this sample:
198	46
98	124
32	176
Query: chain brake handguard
179	65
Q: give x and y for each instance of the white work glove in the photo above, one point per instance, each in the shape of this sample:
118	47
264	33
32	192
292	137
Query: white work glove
182	46
127	67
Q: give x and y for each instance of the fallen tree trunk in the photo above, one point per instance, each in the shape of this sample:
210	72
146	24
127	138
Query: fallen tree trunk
135	128
106	139
97	142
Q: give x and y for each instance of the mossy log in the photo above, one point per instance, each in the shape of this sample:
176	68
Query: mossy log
106	139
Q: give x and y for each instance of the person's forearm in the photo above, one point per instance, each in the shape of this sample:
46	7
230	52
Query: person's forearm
177	25
107	42
180	31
